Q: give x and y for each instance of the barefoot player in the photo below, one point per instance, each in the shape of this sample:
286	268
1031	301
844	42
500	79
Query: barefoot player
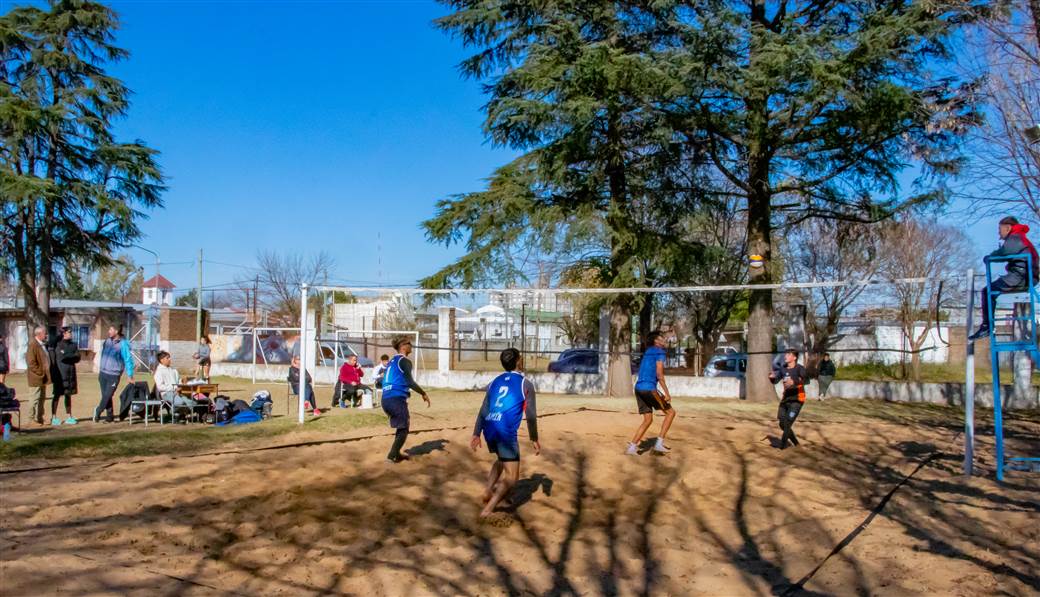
648	398
507	399
397	386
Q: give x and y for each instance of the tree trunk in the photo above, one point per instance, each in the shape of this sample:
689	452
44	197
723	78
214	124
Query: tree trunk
646	315
619	365
760	304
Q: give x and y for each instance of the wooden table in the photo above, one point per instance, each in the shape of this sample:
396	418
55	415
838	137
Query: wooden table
188	389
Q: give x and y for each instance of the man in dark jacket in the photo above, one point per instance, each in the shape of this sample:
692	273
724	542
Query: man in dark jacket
827	373
64	356
1015	278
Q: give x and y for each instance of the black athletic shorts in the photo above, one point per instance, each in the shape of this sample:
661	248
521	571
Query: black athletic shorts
204	362
397	410
508	450
649	400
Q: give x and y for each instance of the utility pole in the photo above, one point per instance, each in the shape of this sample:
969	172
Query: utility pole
198	303
256	286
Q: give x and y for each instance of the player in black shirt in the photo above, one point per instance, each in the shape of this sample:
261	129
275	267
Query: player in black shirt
793	377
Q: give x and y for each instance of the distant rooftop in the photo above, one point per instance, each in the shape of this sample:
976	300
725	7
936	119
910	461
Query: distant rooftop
158	281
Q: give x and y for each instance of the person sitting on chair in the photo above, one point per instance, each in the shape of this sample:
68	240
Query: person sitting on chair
166	381
380	372
350	375
1014	279
308	390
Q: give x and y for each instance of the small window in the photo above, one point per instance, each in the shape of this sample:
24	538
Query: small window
743	365
724	365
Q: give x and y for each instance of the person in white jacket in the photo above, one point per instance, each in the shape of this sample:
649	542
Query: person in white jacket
166	380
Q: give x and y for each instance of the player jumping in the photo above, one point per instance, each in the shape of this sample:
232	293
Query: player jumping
397	386
648	398
793	376
508	397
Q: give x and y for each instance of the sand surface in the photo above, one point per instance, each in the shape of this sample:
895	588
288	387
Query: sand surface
724	514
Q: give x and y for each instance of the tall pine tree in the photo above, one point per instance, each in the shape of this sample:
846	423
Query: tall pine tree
72	193
814	108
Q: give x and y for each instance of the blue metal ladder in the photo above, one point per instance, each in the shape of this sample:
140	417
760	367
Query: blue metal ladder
1026	344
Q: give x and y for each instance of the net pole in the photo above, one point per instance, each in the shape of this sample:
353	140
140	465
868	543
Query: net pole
253	368
302	393
969	381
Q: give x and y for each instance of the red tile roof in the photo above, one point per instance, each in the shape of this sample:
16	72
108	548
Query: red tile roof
158	282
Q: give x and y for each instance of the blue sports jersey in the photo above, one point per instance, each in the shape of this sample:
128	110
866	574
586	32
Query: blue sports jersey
647	380
506	403
394	383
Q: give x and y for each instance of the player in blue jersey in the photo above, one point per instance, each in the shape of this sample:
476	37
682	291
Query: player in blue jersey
649	398
397	386
508	397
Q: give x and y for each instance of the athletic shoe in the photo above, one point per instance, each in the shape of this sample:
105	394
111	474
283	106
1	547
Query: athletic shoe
317	412
660	448
982	332
633	450
55	421
71	421
97	417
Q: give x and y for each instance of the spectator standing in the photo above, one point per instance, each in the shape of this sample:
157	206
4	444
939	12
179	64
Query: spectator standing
203	358
827	373
5	360
39	372
115	359
64	356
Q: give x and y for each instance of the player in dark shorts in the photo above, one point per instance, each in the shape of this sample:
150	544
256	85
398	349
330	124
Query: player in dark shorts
793	377
508	397
649	398
397	386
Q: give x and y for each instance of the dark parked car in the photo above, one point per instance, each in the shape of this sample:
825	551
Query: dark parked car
576	360
583	360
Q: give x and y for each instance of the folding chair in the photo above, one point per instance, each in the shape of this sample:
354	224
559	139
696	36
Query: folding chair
153	399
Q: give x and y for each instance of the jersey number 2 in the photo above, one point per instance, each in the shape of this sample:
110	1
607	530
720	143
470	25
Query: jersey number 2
502	392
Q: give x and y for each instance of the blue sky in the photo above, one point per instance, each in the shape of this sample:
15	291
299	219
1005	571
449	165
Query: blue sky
301	126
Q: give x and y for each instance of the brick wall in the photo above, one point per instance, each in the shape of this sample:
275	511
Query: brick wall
179	324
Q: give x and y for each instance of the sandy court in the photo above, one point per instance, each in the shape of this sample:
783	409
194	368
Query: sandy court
724	514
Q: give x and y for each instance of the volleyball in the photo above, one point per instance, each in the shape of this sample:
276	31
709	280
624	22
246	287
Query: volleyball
756	261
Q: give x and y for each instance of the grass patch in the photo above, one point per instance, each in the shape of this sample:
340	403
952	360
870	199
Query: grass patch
173	439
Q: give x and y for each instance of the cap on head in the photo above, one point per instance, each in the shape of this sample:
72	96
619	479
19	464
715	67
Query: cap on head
1009	221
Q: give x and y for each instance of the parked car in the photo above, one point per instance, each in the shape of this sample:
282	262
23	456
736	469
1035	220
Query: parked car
576	360
327	353
583	360
726	365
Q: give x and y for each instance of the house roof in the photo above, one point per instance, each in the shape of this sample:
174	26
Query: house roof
158	281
